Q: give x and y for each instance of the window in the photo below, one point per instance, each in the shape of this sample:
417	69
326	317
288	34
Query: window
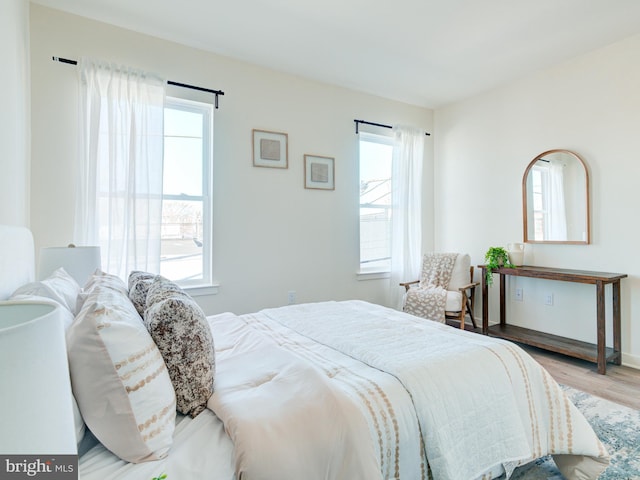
539	180
376	153
186	198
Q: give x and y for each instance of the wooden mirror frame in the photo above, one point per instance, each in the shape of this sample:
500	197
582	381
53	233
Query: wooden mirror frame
587	209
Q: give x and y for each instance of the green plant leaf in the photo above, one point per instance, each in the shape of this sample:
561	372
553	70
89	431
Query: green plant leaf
496	257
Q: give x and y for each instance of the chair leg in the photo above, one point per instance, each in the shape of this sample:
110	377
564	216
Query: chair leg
463	311
470	310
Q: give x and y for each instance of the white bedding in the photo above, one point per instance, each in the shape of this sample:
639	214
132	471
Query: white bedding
201	451
481	404
368	395
285	417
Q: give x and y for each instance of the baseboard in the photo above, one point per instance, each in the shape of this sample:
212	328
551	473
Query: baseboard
632	361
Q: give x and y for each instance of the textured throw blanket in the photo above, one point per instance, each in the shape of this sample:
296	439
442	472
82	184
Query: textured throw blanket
429	300
482	403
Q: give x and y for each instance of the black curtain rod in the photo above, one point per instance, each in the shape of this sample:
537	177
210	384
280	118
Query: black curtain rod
177	84
358	122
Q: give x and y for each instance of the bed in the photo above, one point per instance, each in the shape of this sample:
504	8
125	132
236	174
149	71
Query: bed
349	389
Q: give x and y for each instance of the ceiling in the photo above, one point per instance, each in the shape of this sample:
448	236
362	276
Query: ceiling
424	52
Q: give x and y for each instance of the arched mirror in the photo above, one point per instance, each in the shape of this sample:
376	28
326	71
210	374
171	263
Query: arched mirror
555	192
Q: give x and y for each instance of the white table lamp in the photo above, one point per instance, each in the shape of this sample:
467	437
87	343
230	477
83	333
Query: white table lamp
79	262
36	412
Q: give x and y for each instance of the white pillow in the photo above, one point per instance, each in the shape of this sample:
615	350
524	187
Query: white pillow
59	286
103	280
118	377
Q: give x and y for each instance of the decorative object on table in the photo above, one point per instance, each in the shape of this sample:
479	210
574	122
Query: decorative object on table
79	262
270	149
36	408
319	172
496	257
516	253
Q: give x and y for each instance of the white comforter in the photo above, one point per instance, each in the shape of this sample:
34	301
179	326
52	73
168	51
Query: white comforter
283	415
385	388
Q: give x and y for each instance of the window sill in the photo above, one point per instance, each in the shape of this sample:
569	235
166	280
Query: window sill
372	275
201	290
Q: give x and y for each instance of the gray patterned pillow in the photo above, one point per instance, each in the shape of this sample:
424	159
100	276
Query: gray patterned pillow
139	284
180	330
161	289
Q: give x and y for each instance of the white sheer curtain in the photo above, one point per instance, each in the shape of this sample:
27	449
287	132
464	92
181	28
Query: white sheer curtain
557	219
119	203
406	217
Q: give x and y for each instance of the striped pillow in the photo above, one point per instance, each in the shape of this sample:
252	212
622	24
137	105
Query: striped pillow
119	378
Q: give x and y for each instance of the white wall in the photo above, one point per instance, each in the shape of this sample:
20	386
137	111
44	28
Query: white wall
589	105
14	114
271	235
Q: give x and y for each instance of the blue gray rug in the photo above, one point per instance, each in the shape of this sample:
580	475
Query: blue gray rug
617	426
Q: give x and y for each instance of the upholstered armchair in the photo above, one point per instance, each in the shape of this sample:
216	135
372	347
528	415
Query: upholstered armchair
445	290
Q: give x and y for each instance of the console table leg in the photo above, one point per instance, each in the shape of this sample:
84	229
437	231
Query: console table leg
602	341
617	346
503	309
485	304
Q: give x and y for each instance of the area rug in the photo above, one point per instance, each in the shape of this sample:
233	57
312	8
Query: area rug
617	426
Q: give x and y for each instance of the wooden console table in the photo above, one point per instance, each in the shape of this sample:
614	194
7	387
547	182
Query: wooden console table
598	353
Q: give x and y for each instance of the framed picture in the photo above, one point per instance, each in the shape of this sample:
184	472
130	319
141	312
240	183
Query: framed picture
270	149
319	172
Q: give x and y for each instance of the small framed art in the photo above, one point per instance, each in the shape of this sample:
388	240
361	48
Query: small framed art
319	172
270	149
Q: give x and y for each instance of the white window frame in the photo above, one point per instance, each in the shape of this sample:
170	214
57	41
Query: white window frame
540	215
370	273
205	285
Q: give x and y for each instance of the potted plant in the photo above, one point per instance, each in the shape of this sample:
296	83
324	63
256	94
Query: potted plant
495	258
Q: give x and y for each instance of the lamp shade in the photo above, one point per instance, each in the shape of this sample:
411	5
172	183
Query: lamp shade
79	262
36	410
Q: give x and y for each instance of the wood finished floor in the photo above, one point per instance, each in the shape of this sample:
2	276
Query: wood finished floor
620	385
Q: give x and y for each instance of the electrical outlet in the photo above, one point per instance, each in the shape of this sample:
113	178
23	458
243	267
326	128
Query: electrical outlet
291	296
548	299
518	294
